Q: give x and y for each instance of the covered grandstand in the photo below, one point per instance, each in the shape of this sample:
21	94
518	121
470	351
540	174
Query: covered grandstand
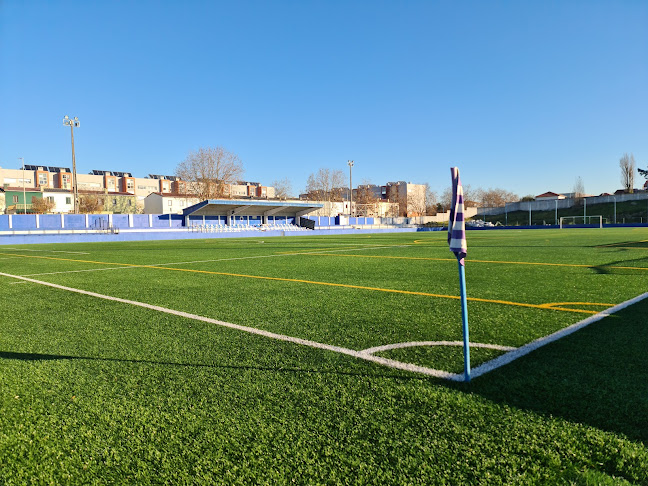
248	214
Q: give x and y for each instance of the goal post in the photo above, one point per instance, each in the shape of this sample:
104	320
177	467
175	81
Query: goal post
588	221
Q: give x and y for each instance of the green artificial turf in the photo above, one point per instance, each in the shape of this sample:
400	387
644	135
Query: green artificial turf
94	391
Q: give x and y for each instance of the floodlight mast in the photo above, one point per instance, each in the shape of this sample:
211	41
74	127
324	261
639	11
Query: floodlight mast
73	123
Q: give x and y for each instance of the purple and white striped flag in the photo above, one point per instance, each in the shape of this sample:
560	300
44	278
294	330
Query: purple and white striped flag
456	224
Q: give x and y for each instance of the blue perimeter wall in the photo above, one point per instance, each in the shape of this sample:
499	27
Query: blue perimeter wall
177	235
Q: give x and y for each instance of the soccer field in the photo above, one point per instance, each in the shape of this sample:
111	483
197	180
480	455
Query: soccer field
324	360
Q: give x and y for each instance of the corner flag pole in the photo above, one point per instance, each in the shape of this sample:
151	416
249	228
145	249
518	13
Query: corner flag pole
457	243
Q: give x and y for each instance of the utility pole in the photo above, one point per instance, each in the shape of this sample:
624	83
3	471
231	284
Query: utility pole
23	184
350	162
73	123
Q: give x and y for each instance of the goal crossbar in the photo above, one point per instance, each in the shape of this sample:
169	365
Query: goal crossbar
595	221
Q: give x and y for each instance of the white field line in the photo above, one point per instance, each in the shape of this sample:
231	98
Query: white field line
538	343
281	337
412	344
49	251
80	271
305	252
196	261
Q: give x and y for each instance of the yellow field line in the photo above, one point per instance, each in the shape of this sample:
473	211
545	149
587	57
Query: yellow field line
312	282
560	305
473	261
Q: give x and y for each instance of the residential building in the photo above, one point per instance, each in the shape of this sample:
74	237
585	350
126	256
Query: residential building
121	191
549	196
410	197
167	203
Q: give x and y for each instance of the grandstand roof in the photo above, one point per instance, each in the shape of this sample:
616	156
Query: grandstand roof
213	207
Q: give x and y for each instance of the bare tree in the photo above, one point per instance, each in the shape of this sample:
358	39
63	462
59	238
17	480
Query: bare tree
326	185
366	200
495	198
628	167
431	202
397	193
210	171
579	190
471	197
283	188
42	206
90	203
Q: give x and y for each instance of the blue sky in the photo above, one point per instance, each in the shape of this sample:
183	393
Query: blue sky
523	95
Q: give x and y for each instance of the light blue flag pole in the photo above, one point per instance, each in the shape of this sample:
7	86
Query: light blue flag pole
457	242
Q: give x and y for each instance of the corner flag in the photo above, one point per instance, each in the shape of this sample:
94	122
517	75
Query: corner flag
457	243
456	223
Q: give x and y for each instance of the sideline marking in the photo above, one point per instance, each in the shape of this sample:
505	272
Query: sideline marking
49	251
168	264
538	343
365	355
330	284
411	344
252	330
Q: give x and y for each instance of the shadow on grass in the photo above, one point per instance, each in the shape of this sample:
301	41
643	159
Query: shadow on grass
597	376
54	357
611	267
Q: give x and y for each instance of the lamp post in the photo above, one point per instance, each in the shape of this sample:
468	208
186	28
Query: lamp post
73	123
350	162
23	184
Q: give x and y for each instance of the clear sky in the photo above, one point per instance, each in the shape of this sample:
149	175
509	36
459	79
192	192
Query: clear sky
522	95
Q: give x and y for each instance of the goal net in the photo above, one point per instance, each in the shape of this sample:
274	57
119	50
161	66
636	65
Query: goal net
588	221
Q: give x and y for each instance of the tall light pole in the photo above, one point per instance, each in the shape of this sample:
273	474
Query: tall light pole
23	184
350	162
73	123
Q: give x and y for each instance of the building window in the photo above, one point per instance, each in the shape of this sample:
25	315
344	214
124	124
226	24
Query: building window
65	181
130	203
50	198
15	199
114	202
42	179
68	200
110	183
170	202
130	184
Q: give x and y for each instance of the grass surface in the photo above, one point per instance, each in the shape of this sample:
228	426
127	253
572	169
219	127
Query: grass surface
94	391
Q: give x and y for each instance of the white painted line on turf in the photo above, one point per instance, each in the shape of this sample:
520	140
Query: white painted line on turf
538	343
281	337
49	251
78	271
305	252
411	344
186	263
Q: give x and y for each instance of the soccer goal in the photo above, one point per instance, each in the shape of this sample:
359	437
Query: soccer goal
589	221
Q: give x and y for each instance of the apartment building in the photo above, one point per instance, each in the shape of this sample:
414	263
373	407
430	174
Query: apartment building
119	191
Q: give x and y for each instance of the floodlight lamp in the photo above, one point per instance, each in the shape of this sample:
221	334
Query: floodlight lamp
76	118
66	117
